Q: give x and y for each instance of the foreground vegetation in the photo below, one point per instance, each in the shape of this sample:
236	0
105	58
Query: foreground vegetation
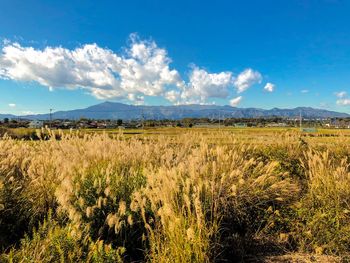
194	196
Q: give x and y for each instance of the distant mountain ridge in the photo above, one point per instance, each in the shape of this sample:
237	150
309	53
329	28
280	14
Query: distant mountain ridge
9	116
114	110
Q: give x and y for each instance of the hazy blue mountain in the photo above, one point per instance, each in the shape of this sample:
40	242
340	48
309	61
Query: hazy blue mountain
113	110
10	116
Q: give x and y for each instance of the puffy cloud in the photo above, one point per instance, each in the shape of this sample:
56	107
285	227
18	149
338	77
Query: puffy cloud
147	70
246	79
12	105
341	94
87	67
28	112
343	98
304	91
343	102
143	70
235	101
137	99
203	85
269	87
173	96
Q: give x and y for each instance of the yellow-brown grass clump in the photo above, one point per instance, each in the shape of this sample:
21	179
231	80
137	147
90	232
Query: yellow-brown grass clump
191	197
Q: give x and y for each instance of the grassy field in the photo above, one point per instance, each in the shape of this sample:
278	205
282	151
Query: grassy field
175	195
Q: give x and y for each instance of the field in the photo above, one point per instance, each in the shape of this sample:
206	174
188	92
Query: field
175	195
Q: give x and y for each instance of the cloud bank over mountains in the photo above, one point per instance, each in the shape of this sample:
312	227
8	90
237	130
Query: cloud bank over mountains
144	69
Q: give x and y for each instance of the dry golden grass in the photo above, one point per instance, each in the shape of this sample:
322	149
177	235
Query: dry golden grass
195	196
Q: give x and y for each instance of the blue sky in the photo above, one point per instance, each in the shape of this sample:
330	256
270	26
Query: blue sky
72	54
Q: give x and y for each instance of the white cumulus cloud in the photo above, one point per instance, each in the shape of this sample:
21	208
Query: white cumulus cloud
143	70
136	99
204	85
28	112
341	94
269	87
343	102
12	105
246	79
235	101
343	98
173	96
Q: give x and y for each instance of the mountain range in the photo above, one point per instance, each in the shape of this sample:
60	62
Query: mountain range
9	116
114	110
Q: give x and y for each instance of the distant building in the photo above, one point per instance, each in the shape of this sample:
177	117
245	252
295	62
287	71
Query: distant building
36	124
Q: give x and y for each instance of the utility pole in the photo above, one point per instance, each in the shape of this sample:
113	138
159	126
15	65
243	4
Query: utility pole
219	120
142	119
50	118
300	120
223	119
